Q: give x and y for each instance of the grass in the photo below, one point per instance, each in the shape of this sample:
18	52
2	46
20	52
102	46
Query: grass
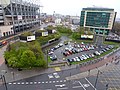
49	60
111	43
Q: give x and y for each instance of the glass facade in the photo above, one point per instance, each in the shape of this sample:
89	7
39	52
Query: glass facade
82	18
97	19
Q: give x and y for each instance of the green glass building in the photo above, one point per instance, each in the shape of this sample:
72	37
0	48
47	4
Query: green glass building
99	20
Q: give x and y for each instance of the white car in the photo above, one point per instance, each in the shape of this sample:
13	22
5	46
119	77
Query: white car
56	75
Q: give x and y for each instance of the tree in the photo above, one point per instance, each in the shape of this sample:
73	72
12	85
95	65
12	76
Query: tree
27	59
116	28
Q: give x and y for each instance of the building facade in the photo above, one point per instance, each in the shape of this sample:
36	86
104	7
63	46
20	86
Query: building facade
99	20
18	16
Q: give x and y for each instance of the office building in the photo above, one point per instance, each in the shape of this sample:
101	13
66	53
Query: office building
99	20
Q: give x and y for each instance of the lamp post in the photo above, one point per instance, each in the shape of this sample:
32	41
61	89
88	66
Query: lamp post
97	78
3	78
47	57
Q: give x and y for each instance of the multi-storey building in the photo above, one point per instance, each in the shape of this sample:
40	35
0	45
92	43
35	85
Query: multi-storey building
99	20
17	16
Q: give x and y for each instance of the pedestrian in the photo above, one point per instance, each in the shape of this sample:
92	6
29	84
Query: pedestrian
106	64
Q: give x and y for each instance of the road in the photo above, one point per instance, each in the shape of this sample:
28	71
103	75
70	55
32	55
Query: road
50	81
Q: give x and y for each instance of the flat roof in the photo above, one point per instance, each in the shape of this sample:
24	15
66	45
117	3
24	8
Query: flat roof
98	8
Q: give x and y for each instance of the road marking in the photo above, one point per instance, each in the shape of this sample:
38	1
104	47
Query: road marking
31	82
39	82
35	82
22	83
62	88
57	69
46	82
50	81
18	83
53	81
48	89
50	76
64	80
81	85
76	86
9	83
62	85
27	83
14	83
43	82
61	81
86	85
90	83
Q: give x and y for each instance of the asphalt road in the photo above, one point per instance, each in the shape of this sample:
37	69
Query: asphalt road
50	81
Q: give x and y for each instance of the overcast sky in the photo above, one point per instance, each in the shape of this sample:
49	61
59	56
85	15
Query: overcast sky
74	7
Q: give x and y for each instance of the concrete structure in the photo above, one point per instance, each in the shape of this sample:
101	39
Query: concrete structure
17	16
99	20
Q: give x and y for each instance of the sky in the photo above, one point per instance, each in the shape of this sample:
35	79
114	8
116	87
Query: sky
74	7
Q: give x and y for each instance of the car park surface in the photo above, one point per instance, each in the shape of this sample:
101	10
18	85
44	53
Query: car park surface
74	52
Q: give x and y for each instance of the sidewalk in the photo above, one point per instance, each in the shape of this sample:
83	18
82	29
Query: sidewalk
14	74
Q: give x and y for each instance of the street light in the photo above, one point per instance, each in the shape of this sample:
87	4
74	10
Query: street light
47	57
99	72
4	80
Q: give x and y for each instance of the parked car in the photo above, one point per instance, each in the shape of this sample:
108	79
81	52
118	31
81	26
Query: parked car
53	57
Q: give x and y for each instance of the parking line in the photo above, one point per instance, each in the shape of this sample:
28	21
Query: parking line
76	86
81	85
62	88
90	83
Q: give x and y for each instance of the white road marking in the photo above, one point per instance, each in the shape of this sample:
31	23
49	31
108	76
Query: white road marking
81	85
62	88
64	80
62	85
46	82
48	89
53	81
9	83
90	83
26	83
50	81
14	83
35	82
18	83
31	82
76	86
43	82
22	83
61	81
39	82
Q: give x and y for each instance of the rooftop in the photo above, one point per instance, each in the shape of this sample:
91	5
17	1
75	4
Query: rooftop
98	8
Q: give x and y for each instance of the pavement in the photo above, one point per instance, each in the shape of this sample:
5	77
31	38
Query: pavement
14	75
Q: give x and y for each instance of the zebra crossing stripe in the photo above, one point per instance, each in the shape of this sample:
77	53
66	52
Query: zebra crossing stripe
18	83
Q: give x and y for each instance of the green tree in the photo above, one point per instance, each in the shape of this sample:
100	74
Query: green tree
27	59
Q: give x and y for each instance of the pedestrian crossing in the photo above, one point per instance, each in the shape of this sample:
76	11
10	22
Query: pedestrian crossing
36	82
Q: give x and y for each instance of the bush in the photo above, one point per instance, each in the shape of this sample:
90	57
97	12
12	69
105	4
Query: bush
25	55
